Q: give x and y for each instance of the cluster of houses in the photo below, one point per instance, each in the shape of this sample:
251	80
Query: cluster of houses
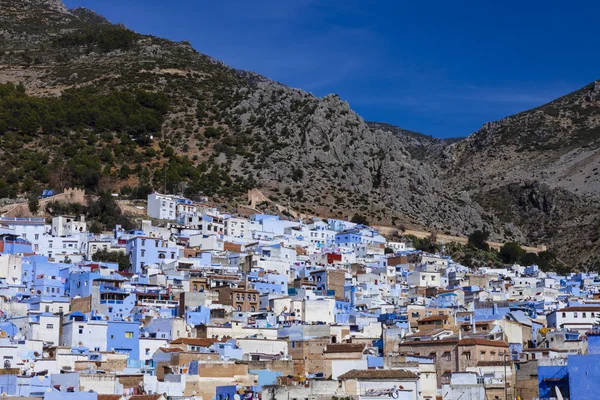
220	306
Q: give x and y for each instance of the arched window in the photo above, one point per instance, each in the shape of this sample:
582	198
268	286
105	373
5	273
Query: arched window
237	296
195	287
161	255
252	309
239	308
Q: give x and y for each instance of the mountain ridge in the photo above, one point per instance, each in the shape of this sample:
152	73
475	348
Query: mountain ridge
225	131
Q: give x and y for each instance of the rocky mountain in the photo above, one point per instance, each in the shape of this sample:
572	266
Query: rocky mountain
225	131
538	170
98	106
419	145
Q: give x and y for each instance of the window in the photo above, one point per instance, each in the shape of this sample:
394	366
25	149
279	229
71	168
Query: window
37	236
195	287
467	355
252	309
143	242
583	315
147	351
129	335
81	329
161	255
143	253
49	326
156	243
50	244
482	355
239	308
172	256
575	315
447	356
564	315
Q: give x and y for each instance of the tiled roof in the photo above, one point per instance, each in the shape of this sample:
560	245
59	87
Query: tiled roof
146	397
482	342
378	374
203	342
432	318
430	342
109	397
344	348
170	350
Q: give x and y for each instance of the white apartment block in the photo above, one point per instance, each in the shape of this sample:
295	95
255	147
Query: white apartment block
162	206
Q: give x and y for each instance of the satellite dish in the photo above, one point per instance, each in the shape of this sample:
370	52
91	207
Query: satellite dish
146	334
45	354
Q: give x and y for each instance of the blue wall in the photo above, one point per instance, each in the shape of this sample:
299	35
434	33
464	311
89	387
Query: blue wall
593	342
201	316
266	376
225	392
144	251
559	376
584	376
8	384
117	338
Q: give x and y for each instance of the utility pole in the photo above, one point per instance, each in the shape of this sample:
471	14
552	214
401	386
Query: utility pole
505	385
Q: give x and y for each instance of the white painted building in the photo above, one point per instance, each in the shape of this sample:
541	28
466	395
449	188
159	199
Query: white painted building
397	246
422	278
10	268
47	328
90	334
65	225
61	248
149	345
162	206
578	318
236	227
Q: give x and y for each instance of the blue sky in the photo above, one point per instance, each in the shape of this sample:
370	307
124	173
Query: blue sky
437	67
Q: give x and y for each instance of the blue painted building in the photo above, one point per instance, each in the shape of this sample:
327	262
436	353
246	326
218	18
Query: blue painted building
12	244
124	337
144	251
225	392
348	239
269	283
199	316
